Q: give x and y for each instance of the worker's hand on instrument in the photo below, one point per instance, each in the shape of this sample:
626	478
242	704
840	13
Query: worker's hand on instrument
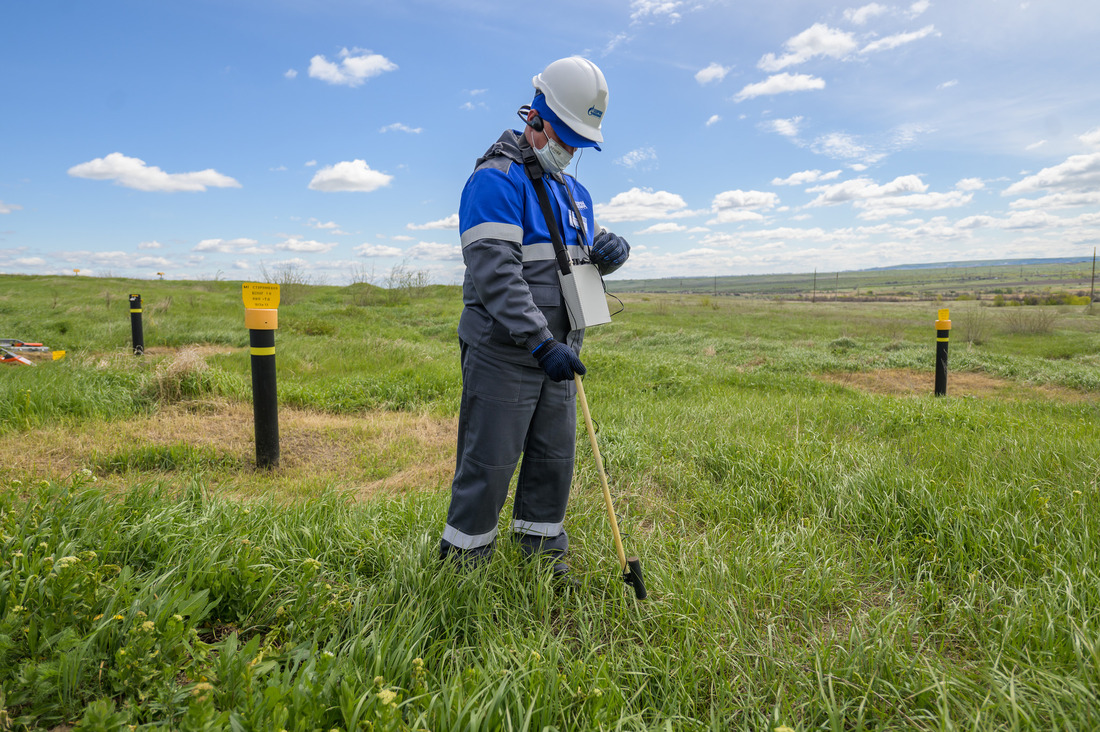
609	249
558	360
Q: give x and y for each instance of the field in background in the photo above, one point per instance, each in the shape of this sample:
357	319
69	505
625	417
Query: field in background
826	545
1040	281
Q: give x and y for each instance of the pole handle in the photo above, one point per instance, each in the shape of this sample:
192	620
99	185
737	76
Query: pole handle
603	475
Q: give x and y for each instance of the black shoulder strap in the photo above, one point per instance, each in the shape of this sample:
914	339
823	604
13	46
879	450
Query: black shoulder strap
534	172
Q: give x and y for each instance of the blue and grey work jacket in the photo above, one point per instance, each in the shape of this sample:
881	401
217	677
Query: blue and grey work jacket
511	292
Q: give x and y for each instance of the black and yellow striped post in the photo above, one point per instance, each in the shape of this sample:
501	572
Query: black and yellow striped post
136	333
262	323
943	332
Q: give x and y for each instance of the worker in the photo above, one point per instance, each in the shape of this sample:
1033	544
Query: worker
519	353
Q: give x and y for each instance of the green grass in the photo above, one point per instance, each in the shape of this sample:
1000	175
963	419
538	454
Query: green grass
817	557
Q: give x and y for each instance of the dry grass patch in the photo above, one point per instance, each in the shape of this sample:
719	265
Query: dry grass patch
908	382
390	452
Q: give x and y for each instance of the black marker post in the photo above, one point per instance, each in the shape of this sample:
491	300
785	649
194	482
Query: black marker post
136	332
943	334
262	323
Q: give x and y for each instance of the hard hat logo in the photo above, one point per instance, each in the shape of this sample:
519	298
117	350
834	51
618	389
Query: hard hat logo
597	113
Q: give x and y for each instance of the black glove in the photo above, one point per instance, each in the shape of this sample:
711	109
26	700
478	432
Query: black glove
558	360
609	250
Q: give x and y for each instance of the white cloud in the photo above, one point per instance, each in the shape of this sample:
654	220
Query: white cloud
377	250
433	250
840	145
353	175
656	9
150	245
1036	145
804	177
615	42
30	261
739	199
642	204
644	158
817	40
714	72
948	84
1079	173
352	70
7	208
291	74
318	224
731	207
311	163
1091	138
785	127
780	84
401	237
970	184
449	222
1015	221
1058	200
864	188
735	216
399	127
134	173
919	7
713	119
900	39
295	244
665	227
231	246
860	16
895	205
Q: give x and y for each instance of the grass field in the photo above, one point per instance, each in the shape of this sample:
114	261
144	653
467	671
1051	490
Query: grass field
827	546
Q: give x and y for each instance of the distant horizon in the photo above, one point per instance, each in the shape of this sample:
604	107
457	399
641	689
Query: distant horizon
960	264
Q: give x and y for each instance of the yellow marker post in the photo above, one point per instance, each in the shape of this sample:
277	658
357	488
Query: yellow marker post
943	332
261	316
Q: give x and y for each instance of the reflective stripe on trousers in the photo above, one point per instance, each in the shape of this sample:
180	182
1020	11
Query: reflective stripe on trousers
508	411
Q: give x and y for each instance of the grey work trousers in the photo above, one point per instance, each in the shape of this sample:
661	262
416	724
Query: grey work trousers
507	410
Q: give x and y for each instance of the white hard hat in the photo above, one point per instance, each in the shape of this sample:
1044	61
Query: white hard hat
576	92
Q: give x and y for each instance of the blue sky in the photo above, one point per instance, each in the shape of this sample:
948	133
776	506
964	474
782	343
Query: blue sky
222	139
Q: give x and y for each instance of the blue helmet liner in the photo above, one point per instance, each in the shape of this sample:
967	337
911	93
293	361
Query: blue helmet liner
564	131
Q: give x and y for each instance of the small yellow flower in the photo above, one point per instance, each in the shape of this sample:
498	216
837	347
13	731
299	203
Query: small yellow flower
784	728
119	617
378	681
148	626
246	542
18	609
97	617
18	555
178	618
535	655
386	696
141	614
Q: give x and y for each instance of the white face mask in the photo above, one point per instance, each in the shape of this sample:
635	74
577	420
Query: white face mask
553	157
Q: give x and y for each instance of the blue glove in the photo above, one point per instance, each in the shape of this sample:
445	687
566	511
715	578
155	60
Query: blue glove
558	360
609	250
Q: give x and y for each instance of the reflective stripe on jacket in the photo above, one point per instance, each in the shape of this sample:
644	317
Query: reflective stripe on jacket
511	292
